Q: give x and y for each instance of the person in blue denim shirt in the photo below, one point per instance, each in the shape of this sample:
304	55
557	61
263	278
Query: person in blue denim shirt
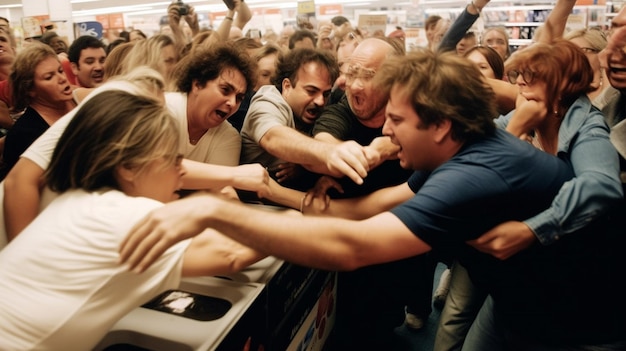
571	128
562	122
558	119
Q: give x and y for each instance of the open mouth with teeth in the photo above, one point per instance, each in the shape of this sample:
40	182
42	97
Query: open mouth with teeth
618	69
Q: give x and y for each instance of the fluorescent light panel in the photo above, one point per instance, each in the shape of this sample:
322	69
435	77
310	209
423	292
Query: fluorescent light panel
156	7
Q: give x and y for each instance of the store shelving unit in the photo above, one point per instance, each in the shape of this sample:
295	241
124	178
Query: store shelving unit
522	18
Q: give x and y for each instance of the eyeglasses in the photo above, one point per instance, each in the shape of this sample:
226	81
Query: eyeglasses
587	50
358	72
526	75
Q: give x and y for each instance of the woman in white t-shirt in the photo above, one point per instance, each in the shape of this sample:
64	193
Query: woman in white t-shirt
62	286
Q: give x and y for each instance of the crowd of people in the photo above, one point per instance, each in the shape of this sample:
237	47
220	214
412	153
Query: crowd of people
128	166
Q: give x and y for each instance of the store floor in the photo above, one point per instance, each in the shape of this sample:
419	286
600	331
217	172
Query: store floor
424	339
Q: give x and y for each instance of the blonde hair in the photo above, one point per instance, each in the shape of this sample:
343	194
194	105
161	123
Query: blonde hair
113	128
504	33
594	36
114	62
147	52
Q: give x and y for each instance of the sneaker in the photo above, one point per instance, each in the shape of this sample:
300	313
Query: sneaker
439	297
413	321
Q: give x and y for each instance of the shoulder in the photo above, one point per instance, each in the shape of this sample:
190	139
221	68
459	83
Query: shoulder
176	103
340	110
333	116
581	117
609	96
226	129
268	93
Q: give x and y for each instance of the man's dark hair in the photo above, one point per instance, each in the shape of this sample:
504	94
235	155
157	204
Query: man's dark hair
81	43
339	20
48	36
125	35
300	35
289	64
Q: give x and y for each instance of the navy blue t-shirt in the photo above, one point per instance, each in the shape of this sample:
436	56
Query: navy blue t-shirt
544	291
486	183
550	293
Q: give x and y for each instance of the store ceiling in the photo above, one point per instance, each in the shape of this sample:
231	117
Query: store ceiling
87	7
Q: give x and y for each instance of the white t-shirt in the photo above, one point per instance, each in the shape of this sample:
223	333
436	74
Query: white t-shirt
220	145
62	287
41	150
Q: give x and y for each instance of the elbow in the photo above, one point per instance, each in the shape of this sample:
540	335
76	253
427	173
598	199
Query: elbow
237	261
347	261
348	265
9	181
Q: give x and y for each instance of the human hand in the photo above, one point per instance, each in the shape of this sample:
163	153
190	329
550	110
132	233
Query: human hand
319	191
173	15
162	228
528	115
232	5
286	171
325	31
385	148
191	17
505	240
251	177
350	159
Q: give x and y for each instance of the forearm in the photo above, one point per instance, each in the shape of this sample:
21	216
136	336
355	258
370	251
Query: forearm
554	27
21	204
5	116
461	25
243	15
227	256
292	146
177	32
327	138
202	176
224	29
291	239
595	188
572	209
352	208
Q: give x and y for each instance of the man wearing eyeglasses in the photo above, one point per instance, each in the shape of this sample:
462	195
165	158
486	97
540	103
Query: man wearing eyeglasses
372	300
